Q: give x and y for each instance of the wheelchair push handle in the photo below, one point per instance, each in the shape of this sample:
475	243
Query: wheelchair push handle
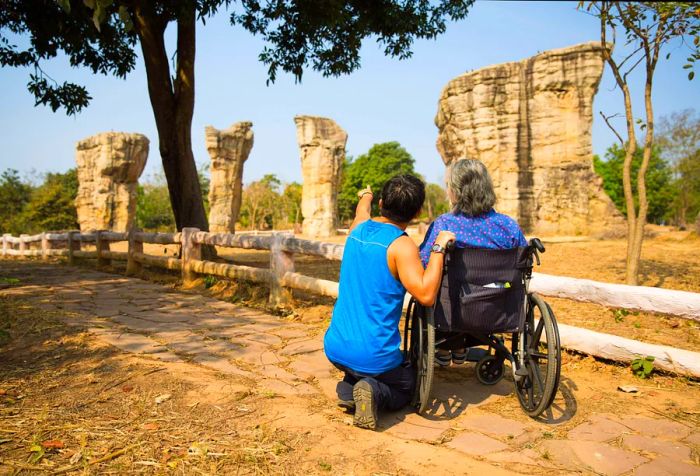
537	244
536	247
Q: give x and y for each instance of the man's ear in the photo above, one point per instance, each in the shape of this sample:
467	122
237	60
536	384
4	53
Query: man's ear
381	203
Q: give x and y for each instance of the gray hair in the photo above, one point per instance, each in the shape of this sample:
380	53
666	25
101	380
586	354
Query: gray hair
471	187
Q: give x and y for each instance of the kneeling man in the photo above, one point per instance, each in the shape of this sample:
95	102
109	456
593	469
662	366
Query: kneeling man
380	263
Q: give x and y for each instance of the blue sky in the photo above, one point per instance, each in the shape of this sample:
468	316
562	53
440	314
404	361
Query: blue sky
385	100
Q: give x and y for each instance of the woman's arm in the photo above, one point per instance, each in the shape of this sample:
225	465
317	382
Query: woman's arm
428	241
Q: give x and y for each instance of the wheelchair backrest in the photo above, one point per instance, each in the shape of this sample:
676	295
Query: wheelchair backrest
483	291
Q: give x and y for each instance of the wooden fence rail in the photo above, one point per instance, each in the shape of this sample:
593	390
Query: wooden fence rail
282	278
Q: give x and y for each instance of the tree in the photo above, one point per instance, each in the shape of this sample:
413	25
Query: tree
260	203
679	139
52	204
14	195
436	202
102	35
647	27
292	202
659	182
153	211
378	165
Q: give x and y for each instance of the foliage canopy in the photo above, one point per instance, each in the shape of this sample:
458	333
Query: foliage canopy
658	181
378	165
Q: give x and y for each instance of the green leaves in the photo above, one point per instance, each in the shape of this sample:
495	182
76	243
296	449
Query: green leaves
659	181
49	206
643	367
71	96
378	165
126	18
328	35
65	4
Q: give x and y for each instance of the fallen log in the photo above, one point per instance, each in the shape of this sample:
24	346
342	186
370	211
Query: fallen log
643	298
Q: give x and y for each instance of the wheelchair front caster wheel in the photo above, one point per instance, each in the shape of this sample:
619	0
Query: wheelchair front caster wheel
489	370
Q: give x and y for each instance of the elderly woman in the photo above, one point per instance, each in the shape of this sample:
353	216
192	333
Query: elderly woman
473	221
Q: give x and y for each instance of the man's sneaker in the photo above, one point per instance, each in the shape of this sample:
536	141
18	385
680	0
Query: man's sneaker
365	406
459	356
443	357
347	405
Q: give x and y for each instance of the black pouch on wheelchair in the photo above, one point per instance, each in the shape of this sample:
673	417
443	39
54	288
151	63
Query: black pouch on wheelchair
482	292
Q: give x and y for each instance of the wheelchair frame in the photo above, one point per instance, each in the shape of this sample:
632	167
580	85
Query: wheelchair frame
535	386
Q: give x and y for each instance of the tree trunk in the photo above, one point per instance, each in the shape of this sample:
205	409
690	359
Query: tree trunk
173	107
632	264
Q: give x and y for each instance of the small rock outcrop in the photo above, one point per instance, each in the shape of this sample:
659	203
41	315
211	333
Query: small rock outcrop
228	149
109	166
530	123
322	147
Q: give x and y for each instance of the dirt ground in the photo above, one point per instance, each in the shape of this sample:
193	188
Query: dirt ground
70	403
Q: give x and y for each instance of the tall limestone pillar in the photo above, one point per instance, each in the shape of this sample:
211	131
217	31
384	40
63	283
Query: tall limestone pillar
322	147
530	123
229	149
109	166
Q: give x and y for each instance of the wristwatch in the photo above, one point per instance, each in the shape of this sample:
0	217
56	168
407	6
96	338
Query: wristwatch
436	248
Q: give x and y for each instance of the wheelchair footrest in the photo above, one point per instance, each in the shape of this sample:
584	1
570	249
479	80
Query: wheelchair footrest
475	354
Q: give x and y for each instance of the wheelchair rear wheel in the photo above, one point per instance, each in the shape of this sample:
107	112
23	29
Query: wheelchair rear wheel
536	390
422	352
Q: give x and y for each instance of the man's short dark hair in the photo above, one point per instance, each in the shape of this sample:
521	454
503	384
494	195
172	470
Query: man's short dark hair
402	198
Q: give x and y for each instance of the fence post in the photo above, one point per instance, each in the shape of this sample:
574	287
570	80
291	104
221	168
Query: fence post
45	246
190	251
133	267
101	245
281	261
5	243
73	245
22	244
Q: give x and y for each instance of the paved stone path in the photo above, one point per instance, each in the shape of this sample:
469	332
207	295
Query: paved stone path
276	355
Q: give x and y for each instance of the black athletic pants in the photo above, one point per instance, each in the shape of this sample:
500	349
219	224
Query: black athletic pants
393	389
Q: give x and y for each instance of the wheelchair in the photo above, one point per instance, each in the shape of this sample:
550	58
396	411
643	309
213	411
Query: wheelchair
483	301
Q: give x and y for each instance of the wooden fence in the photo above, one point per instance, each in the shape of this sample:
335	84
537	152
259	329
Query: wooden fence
282	279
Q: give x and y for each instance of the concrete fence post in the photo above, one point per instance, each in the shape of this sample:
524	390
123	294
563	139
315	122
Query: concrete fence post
133	267
101	245
45	246
190	251
23	246
73	245
281	262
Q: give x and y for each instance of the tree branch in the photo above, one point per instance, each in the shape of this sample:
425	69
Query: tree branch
607	121
624	76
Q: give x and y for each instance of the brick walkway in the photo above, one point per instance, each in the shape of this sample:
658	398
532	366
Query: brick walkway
273	354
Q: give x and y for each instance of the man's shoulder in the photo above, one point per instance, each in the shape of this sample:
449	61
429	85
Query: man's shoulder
403	244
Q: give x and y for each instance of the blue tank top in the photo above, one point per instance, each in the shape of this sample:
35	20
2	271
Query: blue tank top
364	334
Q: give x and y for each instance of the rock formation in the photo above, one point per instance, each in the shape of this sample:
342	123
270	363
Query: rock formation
228	149
322	147
109	166
530	123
